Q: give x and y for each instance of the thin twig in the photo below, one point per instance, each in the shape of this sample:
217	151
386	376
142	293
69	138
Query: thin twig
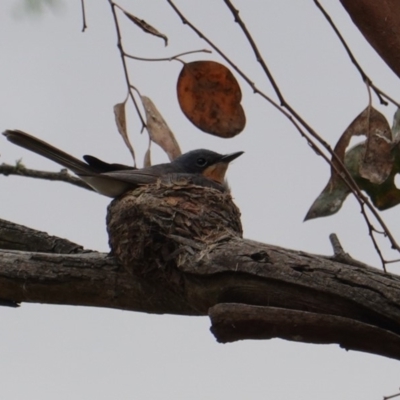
371	230
84	26
392	261
62	176
122	53
173	58
257	53
391	397
383	94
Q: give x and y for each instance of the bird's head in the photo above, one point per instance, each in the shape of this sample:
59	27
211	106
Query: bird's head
207	163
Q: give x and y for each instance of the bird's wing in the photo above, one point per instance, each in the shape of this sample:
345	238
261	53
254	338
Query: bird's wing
113	184
102	166
133	177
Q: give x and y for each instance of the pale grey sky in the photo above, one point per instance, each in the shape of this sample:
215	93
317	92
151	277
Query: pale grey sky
60	84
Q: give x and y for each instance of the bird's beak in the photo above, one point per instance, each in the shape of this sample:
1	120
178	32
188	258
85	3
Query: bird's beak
216	172
227	158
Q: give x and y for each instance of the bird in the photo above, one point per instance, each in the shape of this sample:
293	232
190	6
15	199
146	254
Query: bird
204	167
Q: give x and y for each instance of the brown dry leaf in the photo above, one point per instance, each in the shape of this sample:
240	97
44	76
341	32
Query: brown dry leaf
210	96
120	120
146	27
396	126
159	131
147	157
373	165
377	161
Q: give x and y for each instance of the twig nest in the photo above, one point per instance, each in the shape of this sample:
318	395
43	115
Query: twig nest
155	227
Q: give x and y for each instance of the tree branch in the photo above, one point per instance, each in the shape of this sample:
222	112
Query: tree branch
232	322
303	297
62	176
19	237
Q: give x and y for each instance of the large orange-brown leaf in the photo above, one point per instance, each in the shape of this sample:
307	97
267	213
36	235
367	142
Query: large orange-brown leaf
210	96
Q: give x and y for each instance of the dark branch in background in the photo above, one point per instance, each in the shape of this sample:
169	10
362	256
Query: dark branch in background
122	53
84	26
364	76
294	118
62	176
391	397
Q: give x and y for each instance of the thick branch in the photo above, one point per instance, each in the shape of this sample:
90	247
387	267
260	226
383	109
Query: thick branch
231	322
357	307
19	237
91	279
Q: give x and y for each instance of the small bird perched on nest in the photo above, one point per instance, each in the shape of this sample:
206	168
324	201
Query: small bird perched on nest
160	214
205	167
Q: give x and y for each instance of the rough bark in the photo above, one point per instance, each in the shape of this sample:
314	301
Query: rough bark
19	237
379	22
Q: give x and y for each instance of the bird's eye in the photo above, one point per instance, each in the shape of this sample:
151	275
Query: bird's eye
201	162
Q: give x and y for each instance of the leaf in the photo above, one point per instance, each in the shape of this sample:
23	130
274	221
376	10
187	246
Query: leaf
146	27
329	201
377	162
210	96
383	195
159	131
120	120
373	164
147	157
396	126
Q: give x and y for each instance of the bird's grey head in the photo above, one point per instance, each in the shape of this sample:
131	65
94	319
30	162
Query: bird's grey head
208	163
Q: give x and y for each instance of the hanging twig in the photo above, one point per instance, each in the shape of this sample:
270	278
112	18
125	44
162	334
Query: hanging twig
122	53
84	26
173	58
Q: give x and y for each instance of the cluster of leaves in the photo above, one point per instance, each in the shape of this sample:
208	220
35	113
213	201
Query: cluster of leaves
373	164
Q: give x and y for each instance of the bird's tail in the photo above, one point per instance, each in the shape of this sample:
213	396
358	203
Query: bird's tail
46	150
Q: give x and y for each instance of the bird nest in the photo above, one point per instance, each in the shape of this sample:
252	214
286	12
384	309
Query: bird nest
155	228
